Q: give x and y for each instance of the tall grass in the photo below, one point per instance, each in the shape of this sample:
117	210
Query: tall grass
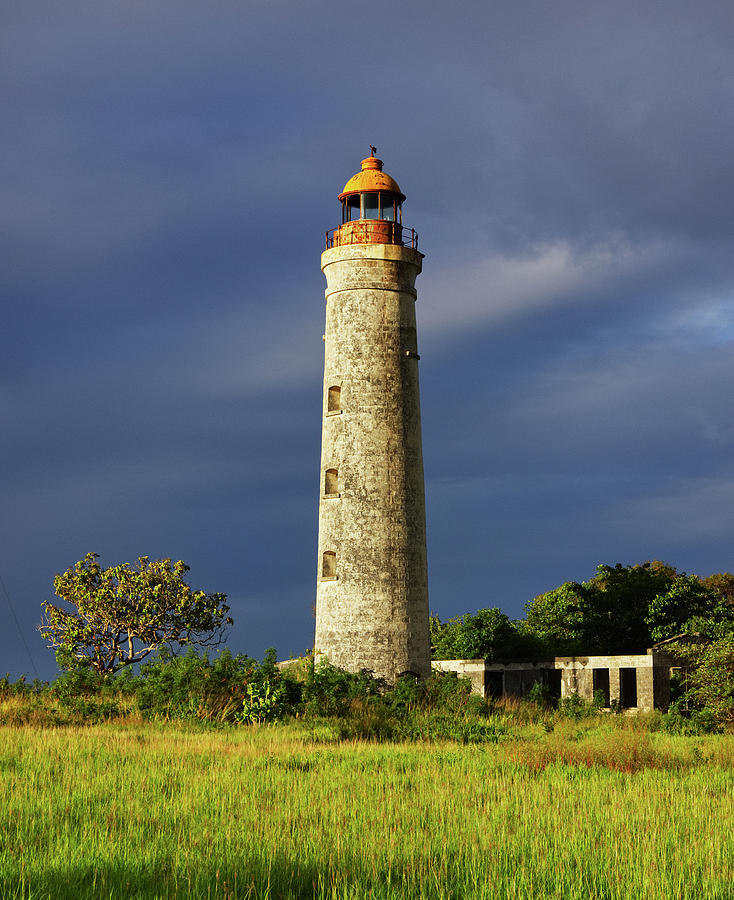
158	811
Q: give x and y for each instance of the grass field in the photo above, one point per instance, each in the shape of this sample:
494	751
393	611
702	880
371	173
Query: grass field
157	811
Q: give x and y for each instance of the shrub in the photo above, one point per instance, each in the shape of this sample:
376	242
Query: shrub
262	703
194	687
574	707
330	691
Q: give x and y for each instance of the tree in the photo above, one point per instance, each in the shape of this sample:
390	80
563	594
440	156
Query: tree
607	614
687	606
710	680
123	613
722	584
489	634
557	618
619	598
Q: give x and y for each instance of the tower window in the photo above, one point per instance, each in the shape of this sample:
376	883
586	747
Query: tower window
331	481
328	564
334	399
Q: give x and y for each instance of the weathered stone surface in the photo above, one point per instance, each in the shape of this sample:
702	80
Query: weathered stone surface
372	610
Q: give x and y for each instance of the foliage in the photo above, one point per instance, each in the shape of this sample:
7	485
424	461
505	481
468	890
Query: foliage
330	691
488	634
722	584
687	606
607	614
618	599
193	686
557	618
540	694
262	703
123	613
625	609
574	707
710	678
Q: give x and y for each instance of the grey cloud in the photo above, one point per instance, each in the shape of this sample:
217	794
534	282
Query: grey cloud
168	175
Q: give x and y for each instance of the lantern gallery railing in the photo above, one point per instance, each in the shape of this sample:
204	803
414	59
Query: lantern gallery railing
372	231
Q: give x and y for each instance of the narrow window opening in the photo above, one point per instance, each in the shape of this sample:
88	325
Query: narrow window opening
328	565
552	681
601	686
493	684
331	481
628	688
334	399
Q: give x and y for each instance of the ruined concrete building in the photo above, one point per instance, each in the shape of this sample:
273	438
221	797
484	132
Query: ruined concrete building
628	682
372	586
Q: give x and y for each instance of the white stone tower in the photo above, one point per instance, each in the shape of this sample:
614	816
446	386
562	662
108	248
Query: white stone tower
372	591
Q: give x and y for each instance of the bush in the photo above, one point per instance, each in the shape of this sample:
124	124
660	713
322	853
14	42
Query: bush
263	702
194	687
329	691
540	694
679	720
573	707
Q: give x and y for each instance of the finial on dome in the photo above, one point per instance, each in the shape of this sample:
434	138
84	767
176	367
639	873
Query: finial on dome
374	150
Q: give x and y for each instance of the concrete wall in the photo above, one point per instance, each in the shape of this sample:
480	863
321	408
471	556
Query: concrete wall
642	678
578	677
372	601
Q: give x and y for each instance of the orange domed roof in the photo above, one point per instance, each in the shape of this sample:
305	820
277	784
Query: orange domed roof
371	178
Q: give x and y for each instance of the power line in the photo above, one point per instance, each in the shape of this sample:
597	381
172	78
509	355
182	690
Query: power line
20	631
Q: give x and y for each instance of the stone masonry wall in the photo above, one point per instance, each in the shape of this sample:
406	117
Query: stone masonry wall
372	597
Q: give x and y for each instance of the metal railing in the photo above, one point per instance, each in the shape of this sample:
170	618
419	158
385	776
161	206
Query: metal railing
372	231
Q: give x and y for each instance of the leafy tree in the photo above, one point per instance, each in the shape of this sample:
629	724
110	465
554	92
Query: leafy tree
687	606
489	634
123	613
557	618
607	614
710	680
722	584
619	598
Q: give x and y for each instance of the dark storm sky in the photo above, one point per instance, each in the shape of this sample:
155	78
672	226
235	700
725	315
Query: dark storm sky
168	171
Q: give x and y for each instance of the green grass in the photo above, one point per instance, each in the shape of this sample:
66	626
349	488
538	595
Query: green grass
589	810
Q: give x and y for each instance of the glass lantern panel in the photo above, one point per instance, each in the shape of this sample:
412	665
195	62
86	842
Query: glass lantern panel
370	206
353	207
387	202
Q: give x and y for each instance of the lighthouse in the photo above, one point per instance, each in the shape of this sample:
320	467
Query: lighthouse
372	584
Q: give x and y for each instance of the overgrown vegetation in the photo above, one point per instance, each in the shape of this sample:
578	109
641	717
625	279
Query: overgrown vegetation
222	690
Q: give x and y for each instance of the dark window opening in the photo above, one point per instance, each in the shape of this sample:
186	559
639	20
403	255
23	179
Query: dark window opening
334	399
331	481
328	565
628	688
493	685
553	683
601	685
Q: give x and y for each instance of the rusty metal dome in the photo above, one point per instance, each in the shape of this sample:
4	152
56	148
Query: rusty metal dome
371	178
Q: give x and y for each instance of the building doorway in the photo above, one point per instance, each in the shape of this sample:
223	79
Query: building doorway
628	688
